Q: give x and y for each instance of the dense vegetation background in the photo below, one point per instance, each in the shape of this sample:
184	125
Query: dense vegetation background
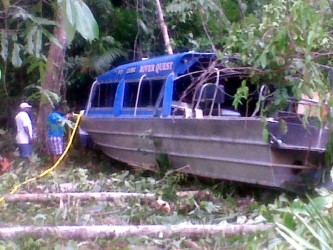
52	51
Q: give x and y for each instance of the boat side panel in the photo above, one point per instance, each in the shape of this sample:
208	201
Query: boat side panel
218	148
224	148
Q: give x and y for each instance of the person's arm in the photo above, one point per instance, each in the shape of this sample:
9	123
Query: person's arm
26	129
26	125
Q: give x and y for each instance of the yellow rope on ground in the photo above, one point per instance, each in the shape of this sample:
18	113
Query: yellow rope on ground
70	142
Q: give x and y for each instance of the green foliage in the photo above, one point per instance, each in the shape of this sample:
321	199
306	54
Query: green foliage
25	36
329	150
197	25
45	94
241	94
126	19
4	45
36	64
15	45
312	223
163	164
203	25
15	58
103	52
78	17
286	46
265	132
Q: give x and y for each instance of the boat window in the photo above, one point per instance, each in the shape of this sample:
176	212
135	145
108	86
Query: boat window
150	91
104	95
131	90
148	96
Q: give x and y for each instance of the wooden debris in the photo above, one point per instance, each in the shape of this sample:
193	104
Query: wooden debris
162	205
193	193
191	244
161	231
4	165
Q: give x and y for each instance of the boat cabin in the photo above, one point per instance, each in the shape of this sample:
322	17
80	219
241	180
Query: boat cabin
188	84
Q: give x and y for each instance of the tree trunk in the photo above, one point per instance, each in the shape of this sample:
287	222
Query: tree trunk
91	232
163	27
53	75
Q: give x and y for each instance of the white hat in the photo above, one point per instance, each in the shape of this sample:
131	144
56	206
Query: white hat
24	105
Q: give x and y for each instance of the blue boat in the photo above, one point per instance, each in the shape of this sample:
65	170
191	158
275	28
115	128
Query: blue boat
180	107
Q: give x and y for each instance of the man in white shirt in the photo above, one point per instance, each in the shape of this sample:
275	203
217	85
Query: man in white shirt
24	131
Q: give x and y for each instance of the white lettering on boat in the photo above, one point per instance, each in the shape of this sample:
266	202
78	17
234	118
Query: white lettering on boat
165	66
147	68
131	70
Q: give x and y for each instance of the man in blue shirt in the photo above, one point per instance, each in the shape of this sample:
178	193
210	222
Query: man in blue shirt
55	133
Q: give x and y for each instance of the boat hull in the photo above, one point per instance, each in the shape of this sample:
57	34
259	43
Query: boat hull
221	147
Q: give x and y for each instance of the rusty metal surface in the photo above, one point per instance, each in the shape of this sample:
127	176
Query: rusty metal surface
222	148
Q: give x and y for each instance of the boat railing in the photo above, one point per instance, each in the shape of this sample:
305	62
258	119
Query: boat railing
216	98
138	94
93	86
215	93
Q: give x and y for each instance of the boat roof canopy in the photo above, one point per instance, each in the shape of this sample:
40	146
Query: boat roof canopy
157	67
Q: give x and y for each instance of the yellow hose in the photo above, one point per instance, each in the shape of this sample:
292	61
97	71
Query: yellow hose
70	142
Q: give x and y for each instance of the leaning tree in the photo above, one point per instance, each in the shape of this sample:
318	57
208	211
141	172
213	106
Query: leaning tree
70	16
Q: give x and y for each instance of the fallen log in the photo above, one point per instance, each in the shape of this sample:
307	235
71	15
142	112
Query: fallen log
67	187
161	231
101	196
72	187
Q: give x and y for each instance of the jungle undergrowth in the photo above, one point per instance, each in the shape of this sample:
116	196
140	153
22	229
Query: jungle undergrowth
216	202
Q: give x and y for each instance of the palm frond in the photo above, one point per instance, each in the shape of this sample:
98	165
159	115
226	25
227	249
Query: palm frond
313	225
49	95
293	238
102	62
312	230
